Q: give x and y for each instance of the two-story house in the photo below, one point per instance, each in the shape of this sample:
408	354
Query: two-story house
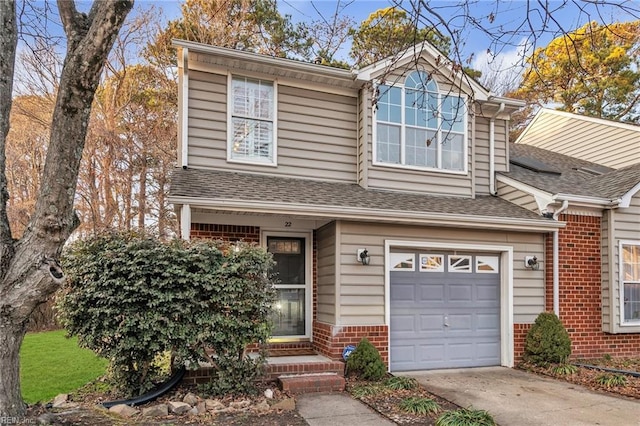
375	192
586	171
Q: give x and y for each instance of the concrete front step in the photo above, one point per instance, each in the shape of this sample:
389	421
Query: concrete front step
307	383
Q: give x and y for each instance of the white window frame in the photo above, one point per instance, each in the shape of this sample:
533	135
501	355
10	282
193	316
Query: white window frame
230	131
398	257
440	133
621	281
428	255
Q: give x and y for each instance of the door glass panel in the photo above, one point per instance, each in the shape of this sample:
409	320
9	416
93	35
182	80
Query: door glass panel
290	307
289	315
288	254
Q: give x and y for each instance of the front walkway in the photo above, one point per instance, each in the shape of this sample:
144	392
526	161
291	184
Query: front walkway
517	398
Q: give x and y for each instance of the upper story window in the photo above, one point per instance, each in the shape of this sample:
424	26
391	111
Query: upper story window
252	120
630	281
417	126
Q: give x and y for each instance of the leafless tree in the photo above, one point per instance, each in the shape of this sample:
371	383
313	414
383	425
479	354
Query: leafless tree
29	270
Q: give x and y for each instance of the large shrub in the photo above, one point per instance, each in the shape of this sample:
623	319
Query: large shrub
547	341
130	298
366	362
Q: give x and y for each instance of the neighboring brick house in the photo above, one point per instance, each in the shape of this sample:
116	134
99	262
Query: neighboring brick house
375	192
595	287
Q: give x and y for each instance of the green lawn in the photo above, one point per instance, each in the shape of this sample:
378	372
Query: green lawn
51	364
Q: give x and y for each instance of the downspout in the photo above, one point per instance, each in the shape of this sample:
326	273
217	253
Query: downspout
556	261
184	109
492	149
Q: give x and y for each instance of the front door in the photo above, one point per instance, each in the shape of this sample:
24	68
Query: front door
291	316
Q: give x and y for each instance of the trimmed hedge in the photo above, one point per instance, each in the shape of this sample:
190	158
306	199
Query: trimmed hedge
130	298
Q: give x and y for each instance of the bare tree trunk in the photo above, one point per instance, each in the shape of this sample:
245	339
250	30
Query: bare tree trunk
29	271
142	195
11	336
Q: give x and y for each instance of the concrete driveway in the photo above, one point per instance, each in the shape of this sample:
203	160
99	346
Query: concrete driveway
516	398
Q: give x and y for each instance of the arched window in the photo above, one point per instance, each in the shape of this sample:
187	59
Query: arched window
418	126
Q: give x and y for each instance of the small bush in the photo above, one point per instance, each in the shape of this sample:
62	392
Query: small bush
465	417
401	383
363	391
366	362
611	380
547	341
419	406
564	369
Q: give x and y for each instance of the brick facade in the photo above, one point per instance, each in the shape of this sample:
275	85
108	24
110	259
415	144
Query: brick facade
330	340
519	334
230	233
580	290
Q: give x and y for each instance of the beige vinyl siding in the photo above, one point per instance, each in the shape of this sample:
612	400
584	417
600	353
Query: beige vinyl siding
501	134
481	146
362	287
517	197
627	227
606	290
604	143
316	131
326	301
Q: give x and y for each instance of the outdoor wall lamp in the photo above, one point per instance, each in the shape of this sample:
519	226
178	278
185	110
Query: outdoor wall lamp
531	262
363	256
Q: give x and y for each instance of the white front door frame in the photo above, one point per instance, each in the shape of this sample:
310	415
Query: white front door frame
308	293
506	287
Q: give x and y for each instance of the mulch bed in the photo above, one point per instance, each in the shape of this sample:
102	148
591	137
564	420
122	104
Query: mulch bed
589	378
386	403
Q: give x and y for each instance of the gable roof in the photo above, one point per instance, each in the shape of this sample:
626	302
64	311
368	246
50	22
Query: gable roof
575	177
350	79
264	194
610	143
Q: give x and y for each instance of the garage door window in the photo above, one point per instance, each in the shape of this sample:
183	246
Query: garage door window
402	262
487	264
460	264
431	263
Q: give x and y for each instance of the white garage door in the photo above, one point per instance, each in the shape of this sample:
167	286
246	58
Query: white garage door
445	310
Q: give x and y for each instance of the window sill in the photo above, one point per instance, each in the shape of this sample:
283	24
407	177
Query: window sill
420	169
252	163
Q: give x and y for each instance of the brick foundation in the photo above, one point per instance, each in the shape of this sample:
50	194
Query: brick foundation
330	340
580	290
230	233
519	334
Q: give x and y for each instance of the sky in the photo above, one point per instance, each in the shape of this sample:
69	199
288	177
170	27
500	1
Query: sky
493	35
501	43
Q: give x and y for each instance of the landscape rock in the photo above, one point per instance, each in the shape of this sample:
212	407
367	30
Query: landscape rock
262	407
47	419
191	399
239	405
268	393
178	407
288	404
156	411
59	400
124	410
194	411
201	407
213	404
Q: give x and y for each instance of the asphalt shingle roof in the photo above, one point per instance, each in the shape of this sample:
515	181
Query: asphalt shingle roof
220	186
573	179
